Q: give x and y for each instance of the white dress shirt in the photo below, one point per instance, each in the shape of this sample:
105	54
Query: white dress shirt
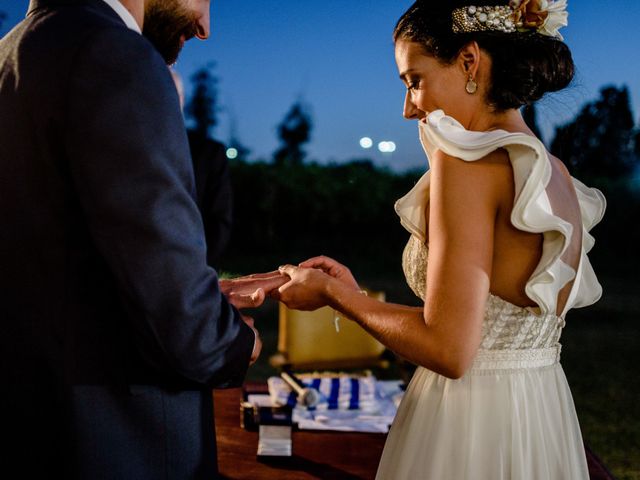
124	14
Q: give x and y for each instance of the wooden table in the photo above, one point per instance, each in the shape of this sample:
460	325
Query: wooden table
316	455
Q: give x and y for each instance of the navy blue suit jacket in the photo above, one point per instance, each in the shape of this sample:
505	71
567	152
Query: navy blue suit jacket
113	327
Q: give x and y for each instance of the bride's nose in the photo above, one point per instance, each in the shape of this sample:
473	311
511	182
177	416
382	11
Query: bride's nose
410	111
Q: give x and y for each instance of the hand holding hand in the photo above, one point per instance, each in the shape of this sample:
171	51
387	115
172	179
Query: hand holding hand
305	289
332	268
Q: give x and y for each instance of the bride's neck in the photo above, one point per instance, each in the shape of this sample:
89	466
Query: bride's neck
510	120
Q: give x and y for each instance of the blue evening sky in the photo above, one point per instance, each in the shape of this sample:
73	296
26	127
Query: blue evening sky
337	56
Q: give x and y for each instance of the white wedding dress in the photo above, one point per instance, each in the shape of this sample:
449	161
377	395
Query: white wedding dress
511	416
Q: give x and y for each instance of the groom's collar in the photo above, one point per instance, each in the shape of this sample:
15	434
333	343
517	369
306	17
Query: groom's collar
124	14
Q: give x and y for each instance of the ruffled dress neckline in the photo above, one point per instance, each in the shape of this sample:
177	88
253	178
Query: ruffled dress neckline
532	210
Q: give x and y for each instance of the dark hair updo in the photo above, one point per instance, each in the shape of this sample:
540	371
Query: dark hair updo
526	65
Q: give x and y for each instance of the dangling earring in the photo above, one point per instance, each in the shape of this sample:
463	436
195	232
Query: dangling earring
471	86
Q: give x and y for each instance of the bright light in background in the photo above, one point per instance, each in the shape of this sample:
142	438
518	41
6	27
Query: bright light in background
366	142
232	153
387	147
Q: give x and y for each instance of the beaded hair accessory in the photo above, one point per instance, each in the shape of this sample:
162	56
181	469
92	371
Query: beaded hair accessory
545	17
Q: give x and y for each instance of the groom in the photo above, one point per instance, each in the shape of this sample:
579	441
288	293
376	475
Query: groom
112	327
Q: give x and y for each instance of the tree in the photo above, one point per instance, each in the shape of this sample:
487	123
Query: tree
599	142
203	105
294	131
529	115
637	142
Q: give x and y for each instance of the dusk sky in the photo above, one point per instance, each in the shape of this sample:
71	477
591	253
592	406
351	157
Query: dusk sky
337	57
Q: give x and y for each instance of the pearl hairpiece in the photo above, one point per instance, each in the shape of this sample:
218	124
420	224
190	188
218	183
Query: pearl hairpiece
546	17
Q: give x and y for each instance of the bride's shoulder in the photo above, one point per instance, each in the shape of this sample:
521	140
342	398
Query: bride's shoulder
560	166
484	179
492	164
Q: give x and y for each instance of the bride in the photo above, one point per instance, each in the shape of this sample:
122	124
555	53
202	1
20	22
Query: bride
497	252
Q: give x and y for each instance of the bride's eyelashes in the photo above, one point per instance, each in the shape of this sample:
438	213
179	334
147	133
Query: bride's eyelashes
413	85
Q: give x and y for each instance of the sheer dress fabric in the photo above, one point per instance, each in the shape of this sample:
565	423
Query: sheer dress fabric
511	416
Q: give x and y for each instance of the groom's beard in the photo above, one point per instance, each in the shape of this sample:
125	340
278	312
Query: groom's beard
167	25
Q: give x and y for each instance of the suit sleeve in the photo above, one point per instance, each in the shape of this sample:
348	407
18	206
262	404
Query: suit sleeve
129	160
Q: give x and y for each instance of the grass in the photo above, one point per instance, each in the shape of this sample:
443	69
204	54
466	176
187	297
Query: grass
600	358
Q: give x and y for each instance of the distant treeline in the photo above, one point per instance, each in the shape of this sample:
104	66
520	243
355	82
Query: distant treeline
286	213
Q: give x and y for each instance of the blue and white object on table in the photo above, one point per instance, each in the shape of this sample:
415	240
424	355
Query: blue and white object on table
337	392
347	402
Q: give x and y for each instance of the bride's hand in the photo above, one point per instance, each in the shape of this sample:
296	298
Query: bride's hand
332	268
250	291
306	289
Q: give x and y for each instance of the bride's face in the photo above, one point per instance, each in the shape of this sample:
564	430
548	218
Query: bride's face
431	85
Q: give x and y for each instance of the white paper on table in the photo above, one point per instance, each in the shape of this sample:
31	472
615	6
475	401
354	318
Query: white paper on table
260	400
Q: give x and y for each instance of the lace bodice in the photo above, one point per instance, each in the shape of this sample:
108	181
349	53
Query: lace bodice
508	327
505	326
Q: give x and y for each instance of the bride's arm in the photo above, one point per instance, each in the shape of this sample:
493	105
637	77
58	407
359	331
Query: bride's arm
444	336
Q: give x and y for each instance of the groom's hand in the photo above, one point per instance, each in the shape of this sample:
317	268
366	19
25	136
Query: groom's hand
251	290
257	346
241	300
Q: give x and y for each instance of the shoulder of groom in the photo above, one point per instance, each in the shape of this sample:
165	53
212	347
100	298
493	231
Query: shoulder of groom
123	56
88	27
